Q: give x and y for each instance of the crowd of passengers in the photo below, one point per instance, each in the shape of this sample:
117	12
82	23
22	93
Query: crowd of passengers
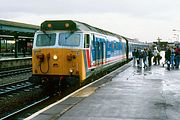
143	57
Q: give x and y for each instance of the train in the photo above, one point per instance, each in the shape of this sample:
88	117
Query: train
73	53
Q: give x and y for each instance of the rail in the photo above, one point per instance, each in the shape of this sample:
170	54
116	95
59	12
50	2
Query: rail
15	72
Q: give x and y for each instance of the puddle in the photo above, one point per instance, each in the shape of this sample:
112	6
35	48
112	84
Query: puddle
86	92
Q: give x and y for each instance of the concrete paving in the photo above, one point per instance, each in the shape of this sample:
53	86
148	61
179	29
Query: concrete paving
134	94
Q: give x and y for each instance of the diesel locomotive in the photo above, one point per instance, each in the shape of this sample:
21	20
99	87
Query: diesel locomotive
72	53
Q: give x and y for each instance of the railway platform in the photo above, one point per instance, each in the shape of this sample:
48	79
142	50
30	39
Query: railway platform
131	94
15	63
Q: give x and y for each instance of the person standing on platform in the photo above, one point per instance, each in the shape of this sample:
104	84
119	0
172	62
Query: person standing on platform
155	52
137	56
145	57
150	55
177	56
134	57
159	58
168	57
140	58
172	57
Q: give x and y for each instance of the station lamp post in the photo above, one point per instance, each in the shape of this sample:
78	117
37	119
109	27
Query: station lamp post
177	34
16	46
177	37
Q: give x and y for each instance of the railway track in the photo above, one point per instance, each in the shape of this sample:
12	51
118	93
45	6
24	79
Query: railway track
34	106
15	72
13	114
13	87
17	97
17	93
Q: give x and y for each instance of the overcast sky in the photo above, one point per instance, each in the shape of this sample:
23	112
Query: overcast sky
145	20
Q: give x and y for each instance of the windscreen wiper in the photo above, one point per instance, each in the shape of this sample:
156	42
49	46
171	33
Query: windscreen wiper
71	33
47	35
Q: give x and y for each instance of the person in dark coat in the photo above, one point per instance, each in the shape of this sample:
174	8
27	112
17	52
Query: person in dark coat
137	56
159	58
172	57
145	57
134	57
177	56
140	58
168	57
150	55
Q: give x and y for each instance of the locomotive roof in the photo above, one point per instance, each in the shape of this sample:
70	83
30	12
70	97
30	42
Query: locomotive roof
73	26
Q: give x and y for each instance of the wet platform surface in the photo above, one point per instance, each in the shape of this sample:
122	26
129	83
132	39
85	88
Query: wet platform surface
133	94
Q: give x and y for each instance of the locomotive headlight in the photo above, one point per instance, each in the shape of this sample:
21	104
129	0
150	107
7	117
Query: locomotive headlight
66	25
55	57
71	70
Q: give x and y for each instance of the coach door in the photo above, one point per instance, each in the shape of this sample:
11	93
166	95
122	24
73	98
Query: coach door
101	52
97	53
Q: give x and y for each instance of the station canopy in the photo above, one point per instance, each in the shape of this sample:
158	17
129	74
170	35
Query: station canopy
15	29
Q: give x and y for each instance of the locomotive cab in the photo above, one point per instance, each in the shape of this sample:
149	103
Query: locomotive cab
59	54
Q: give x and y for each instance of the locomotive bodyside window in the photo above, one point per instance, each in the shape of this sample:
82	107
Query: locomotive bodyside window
86	40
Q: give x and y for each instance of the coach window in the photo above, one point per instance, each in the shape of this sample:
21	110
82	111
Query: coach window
112	43
117	46
86	40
